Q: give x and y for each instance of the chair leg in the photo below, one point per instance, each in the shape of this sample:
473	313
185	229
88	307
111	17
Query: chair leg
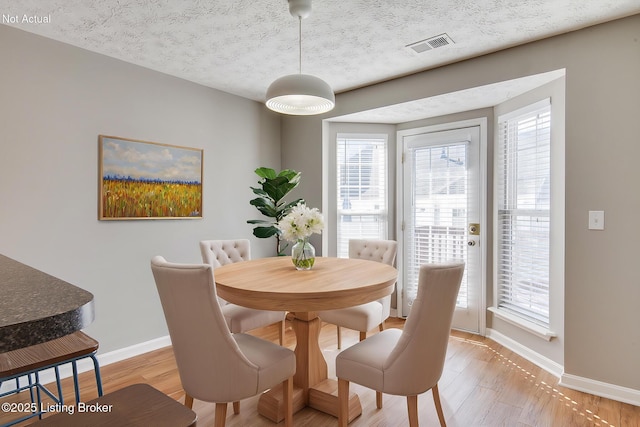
436	400
363	336
343	401
339	338
287	391
379	399
381	326
188	401
281	332
412	405
236	407
221	414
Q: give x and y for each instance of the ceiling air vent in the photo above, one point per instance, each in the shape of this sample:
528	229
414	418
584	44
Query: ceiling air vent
430	43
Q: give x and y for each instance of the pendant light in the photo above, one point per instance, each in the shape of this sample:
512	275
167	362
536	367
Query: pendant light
300	94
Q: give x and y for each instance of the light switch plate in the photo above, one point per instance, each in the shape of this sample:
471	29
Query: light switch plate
596	220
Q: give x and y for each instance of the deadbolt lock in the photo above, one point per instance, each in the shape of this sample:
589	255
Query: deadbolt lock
474	229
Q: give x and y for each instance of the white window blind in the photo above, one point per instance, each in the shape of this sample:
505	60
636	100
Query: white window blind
361	190
523	212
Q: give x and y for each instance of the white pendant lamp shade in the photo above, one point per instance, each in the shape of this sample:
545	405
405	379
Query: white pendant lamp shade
301	95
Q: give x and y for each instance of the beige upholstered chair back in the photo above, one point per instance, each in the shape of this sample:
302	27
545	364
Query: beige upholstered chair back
211	366
415	364
222	252
383	251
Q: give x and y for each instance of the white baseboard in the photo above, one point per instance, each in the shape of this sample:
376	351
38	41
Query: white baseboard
587	385
599	388
105	359
131	351
545	363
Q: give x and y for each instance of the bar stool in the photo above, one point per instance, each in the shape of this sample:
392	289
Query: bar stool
30	361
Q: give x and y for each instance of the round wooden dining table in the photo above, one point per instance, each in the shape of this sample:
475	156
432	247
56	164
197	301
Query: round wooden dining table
275	284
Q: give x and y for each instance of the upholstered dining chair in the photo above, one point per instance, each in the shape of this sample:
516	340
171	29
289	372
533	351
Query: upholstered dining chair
406	362
367	316
239	318
214	364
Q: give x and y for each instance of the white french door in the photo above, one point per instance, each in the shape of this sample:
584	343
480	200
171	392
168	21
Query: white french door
441	208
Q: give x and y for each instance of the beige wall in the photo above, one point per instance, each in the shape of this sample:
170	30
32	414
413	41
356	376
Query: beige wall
602	281
54	102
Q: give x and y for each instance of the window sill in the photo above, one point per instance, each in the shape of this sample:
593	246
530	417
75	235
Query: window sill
537	330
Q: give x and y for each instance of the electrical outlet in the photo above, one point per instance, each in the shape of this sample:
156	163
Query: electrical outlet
596	220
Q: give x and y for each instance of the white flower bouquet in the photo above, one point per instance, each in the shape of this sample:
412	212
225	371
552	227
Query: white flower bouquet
300	223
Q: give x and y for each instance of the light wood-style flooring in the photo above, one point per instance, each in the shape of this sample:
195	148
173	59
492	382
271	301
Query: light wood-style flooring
483	384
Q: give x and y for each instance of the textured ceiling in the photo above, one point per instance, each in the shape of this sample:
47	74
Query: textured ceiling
241	46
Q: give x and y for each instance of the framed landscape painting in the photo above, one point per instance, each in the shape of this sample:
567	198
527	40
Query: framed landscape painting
148	180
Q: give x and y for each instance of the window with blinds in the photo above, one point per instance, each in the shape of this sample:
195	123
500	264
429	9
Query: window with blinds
523	212
361	190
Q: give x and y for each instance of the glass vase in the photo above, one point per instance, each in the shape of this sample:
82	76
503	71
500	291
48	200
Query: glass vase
303	254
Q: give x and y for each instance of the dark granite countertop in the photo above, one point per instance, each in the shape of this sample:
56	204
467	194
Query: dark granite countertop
36	307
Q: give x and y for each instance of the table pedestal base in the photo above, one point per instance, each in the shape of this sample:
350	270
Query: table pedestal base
271	405
323	397
311	387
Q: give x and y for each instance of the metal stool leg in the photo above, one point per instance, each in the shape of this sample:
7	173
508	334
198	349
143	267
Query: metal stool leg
30	387
96	369
39	395
59	384
75	381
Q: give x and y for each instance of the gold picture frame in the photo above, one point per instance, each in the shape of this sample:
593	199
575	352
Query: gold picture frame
148	180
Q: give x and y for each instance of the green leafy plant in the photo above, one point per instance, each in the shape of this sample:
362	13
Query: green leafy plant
270	202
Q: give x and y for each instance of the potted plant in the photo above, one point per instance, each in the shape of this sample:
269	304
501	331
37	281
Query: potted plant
270	202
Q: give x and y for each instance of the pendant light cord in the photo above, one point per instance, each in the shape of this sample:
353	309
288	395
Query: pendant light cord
300	44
